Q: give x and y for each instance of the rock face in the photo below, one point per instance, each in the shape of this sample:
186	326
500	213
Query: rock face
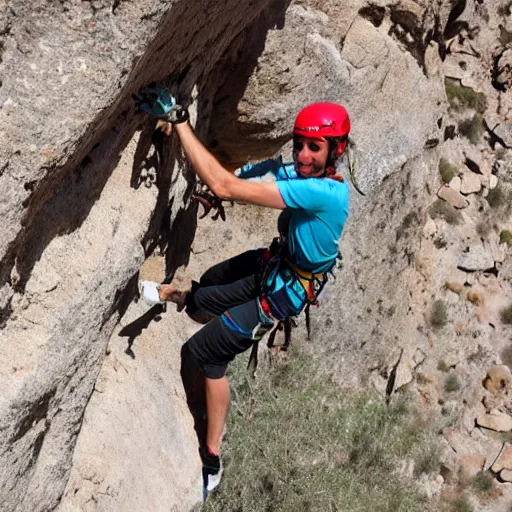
382	86
84	196
89	191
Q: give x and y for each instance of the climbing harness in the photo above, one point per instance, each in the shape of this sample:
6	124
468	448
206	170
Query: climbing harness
287	290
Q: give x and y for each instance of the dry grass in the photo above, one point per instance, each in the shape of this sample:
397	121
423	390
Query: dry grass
462	98
295	442
452	383
472	128
475	297
439	314
483	483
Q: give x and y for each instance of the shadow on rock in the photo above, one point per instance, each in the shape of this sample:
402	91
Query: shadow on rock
131	331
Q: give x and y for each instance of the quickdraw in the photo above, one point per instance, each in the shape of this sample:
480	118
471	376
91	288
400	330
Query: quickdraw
210	202
351	164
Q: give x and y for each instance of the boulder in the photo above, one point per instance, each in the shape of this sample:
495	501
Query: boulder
498	379
341	57
495	420
470	465
504	461
476	257
504	69
452	197
455	183
404	371
506	475
470	183
504	132
461	443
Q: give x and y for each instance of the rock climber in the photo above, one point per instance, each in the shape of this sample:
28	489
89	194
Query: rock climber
247	294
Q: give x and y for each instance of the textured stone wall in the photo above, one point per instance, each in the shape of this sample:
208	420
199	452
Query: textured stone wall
88	192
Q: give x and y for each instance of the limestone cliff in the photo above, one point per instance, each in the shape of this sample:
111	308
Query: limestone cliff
89	192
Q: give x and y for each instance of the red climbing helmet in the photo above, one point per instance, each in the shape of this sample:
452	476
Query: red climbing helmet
324	121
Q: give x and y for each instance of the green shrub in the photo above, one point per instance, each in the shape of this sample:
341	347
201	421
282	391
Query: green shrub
461	505
296	442
439	314
472	129
452	383
506	237
447	170
462	98
442	209
482	482
497	197
427	462
506	315
442	366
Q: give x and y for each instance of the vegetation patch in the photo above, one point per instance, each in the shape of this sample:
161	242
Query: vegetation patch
439	314
461	505
427	462
297	442
462	98
497	197
447	170
483	483
442	366
506	237
506	315
442	209
472	129
452	383
483	228
410	219
475	297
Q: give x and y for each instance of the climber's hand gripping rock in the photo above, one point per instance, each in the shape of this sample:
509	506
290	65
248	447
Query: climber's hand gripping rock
158	103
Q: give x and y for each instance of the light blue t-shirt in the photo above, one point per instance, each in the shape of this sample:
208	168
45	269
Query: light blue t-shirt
320	207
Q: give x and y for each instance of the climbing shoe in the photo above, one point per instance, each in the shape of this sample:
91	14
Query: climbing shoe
212	470
150	292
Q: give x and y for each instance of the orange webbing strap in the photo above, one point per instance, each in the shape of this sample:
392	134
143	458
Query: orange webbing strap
307	279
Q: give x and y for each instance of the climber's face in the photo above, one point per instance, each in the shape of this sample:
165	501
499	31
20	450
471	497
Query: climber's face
310	156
